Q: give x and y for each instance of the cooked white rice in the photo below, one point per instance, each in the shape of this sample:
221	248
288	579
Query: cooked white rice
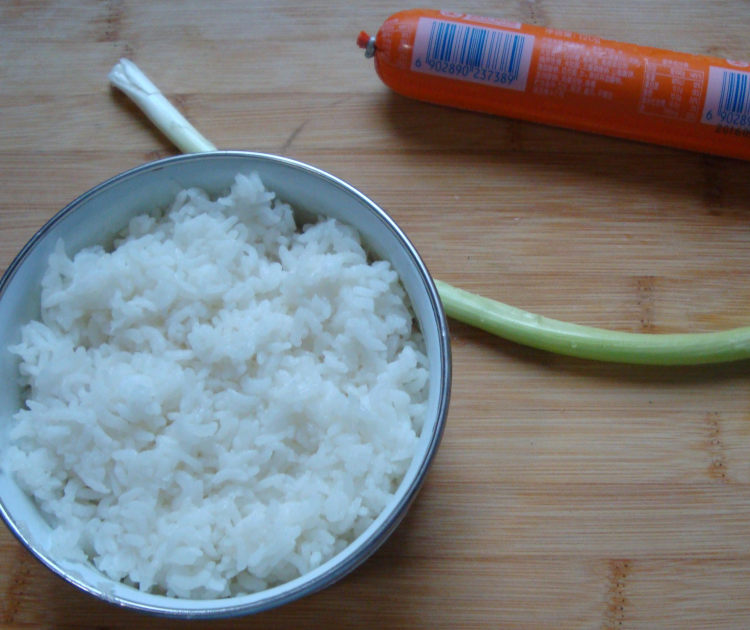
221	402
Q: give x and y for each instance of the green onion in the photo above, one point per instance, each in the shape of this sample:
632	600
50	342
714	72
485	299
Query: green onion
489	315
130	79
586	342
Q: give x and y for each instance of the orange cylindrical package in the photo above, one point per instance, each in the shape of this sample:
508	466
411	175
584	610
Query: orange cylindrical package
566	79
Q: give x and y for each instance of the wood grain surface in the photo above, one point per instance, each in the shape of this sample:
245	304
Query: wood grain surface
566	494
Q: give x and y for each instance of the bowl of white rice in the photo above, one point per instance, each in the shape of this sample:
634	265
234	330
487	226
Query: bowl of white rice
224	378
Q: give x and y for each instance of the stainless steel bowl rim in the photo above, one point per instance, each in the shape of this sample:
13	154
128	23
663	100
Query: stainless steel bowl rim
281	594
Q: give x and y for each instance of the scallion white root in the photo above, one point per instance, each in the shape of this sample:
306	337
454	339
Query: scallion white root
129	78
494	317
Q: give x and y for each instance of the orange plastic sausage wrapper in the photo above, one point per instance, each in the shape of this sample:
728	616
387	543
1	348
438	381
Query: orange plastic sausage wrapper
566	79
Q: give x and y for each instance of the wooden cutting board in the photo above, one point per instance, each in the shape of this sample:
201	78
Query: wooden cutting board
566	494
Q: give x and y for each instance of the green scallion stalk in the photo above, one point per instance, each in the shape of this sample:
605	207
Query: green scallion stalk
586	342
489	315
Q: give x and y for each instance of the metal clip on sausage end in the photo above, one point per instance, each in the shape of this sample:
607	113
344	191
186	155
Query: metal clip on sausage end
366	42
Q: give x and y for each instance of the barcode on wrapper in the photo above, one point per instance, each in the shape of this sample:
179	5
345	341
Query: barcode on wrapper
490	56
727	99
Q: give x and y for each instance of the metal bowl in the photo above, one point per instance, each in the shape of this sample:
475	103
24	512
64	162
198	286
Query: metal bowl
95	218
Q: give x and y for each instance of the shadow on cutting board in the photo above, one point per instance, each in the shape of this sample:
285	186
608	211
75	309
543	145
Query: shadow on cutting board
722	184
